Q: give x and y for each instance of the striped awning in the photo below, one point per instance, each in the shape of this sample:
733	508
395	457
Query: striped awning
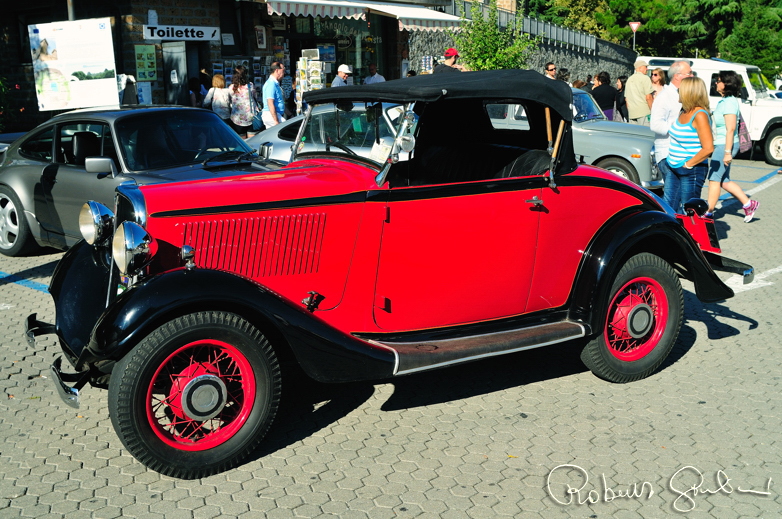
410	17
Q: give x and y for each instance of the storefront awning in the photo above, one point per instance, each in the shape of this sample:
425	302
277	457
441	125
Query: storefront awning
411	18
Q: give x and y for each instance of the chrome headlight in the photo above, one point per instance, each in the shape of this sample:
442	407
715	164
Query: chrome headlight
132	248
95	222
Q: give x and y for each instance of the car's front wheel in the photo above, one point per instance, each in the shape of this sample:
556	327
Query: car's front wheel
197	395
641	323
774	147
621	168
15	237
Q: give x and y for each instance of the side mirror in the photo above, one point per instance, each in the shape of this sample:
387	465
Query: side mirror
265	150
100	165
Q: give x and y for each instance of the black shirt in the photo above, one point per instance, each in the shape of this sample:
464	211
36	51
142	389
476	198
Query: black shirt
442	67
604	95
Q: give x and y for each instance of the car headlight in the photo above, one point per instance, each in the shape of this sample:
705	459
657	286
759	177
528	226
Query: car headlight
132	248
95	222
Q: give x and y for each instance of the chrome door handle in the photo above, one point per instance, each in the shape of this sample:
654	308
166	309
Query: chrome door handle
535	201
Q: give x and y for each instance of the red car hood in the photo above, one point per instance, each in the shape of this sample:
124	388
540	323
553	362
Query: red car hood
316	178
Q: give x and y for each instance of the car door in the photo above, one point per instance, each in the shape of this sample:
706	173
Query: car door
67	185
456	253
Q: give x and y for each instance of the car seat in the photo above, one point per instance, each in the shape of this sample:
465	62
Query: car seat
85	144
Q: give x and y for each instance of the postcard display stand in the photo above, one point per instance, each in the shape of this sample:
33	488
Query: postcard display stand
310	74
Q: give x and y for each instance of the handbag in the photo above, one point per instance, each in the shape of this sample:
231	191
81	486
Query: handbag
745	141
257	119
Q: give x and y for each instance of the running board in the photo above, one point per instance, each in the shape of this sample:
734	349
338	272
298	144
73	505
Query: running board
419	356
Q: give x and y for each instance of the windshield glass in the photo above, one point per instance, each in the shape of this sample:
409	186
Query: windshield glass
755	80
585	108
154	140
359	129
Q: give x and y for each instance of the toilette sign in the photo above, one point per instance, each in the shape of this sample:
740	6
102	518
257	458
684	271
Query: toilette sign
181	33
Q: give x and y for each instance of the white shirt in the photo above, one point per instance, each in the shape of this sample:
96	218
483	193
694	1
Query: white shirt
665	110
377	78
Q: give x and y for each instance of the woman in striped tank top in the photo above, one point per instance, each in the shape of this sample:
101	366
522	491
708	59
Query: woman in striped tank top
691	144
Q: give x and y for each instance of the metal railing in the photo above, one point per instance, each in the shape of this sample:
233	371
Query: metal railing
550	32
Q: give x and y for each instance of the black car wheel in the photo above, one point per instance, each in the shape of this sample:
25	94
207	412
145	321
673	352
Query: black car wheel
15	238
197	395
641	323
620	167
774	147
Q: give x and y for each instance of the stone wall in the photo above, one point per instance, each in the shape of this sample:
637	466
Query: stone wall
608	57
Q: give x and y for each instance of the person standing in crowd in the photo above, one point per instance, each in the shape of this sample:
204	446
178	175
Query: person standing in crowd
726	145
690	146
579	83
273	102
373	76
196	99
218	98
658	81
588	86
563	74
241	103
411	73
551	70
449	64
604	94
638	93
342	76
665	110
621	102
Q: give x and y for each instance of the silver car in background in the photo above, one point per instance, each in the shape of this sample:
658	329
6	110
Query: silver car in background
621	148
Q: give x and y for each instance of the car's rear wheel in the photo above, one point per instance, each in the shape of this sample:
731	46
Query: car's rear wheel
774	147
641	322
621	168
197	395
15	238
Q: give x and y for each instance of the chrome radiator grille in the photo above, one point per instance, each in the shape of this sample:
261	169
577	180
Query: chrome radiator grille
259	247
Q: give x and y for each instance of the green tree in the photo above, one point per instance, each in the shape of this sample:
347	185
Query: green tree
755	39
483	45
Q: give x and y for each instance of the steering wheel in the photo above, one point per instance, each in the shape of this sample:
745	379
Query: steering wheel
344	148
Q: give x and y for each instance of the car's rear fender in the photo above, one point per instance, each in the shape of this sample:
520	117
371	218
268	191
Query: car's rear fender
630	233
324	352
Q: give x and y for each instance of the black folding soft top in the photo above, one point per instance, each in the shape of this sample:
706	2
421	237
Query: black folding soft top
490	84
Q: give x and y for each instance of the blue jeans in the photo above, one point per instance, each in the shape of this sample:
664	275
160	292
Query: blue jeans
682	184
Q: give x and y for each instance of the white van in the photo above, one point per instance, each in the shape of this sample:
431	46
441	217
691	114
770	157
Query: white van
761	112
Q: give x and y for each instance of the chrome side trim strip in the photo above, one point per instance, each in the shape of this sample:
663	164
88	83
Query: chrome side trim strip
389	348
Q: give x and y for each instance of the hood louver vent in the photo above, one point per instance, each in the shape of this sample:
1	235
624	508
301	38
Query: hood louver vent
259	247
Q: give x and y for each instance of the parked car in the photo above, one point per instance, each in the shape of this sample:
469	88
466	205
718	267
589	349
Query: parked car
624	149
761	112
48	175
186	301
621	148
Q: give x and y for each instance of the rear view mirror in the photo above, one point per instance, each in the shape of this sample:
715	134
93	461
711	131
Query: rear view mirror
100	165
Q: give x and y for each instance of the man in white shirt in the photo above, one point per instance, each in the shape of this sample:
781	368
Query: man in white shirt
665	110
373	76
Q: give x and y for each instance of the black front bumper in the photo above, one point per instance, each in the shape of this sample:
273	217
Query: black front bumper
723	264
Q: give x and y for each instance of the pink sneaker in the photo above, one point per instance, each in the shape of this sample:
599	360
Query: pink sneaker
750	211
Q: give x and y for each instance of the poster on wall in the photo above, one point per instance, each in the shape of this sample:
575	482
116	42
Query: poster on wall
327	53
146	63
73	64
260	36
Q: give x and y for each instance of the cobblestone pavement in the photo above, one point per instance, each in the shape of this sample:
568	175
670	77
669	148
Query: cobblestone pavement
480	440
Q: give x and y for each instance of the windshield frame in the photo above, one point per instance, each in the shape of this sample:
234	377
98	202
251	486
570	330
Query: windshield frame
599	115
755	73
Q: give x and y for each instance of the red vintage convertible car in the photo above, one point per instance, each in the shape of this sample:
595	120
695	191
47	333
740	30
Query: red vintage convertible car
369	256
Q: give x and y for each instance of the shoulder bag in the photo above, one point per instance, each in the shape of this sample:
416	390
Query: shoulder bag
257	119
745	141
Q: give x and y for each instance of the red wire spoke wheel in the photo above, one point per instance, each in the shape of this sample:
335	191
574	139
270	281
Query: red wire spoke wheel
201	395
636	319
197	395
643	316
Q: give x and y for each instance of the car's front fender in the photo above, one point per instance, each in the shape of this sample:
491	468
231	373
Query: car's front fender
325	353
628	234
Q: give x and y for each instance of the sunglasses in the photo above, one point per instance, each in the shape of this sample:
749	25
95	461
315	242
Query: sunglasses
655	74
551	69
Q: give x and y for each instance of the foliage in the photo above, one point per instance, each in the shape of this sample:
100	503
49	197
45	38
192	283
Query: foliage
483	45
6	113
756	39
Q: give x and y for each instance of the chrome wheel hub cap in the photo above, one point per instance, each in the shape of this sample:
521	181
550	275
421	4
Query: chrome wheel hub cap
204	397
639	320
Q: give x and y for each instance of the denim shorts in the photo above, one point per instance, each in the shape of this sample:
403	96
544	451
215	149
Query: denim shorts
717	170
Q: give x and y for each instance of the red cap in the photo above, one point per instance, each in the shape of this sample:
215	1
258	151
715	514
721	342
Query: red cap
451	52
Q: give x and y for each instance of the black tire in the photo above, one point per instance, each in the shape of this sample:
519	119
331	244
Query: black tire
773	147
642	320
15	237
163	392
620	167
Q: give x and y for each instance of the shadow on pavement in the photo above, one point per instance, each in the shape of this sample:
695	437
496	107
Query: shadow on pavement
38	272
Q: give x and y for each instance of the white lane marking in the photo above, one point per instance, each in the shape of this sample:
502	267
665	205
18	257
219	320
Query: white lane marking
737	284
765	185
5	306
